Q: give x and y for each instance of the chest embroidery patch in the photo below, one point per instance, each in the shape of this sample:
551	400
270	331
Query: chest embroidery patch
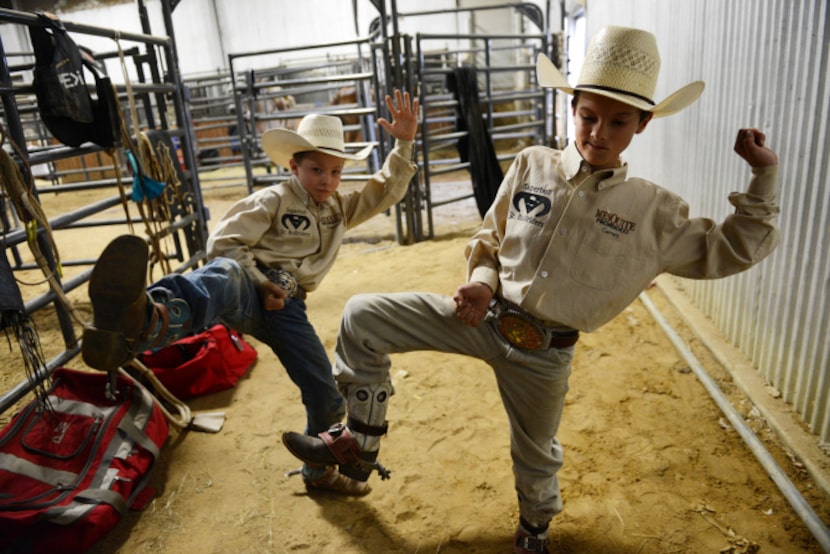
614	224
295	222
528	203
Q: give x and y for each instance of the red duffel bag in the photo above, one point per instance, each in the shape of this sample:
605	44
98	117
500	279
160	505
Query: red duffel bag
70	468
207	362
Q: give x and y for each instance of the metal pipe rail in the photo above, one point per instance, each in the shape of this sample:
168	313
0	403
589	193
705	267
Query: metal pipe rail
30	19
756	446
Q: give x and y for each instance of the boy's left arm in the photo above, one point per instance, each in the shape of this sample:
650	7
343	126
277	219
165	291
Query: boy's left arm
404	112
750	146
746	236
389	185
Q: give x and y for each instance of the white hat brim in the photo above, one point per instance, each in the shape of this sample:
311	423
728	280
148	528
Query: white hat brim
549	76
280	145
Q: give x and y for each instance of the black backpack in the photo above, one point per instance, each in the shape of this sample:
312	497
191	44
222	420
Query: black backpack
66	107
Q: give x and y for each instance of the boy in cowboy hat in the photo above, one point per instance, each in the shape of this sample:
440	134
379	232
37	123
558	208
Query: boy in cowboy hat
569	241
265	254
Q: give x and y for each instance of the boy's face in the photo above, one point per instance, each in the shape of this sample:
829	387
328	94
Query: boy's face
604	128
319	174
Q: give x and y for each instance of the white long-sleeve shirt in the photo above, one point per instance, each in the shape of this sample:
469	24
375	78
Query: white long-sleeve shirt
282	227
575	248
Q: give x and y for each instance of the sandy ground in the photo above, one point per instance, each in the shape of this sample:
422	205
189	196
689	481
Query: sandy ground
651	464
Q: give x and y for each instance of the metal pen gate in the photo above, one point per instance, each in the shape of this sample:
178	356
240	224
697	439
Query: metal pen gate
160	106
514	109
309	79
514	116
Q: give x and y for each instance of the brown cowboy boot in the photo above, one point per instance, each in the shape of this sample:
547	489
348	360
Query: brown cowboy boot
354	447
126	320
335	446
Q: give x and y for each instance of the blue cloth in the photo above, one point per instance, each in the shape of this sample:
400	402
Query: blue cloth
222	291
143	186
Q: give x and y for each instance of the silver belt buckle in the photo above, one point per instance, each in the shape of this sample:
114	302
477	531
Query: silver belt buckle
282	279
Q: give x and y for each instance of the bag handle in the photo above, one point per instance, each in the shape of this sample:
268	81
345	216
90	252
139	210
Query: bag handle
41	40
211	422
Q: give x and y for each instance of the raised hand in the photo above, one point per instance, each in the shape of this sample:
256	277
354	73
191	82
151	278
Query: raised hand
750	146
404	112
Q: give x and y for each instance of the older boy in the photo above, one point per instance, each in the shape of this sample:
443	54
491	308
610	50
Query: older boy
567	244
266	253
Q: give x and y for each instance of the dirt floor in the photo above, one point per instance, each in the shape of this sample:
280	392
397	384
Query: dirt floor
651	463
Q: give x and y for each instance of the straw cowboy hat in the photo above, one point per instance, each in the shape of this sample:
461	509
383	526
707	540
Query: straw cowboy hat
315	132
621	63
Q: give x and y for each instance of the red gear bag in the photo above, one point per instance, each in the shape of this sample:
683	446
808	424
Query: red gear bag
207	362
69	473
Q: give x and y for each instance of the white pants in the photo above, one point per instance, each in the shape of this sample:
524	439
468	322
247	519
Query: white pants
532	384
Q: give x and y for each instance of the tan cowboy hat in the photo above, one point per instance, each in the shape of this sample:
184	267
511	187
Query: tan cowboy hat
621	63
315	132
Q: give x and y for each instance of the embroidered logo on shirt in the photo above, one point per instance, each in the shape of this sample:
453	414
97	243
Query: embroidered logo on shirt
528	202
529	207
295	222
613	223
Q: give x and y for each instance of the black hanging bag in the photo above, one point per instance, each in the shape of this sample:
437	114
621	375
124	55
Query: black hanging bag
66	106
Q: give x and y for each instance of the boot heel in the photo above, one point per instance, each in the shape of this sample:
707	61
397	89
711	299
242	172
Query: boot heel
104	350
119	303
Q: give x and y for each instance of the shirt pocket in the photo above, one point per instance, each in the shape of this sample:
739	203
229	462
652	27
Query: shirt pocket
604	261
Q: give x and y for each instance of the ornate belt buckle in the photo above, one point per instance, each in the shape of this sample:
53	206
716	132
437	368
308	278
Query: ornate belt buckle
284	280
522	332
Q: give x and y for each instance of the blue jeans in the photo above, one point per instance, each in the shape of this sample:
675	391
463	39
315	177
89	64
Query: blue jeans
222	291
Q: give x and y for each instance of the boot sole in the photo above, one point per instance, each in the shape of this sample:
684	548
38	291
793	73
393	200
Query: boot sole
117	281
338	484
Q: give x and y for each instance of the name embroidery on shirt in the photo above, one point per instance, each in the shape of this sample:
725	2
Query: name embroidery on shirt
331	220
530	206
614	223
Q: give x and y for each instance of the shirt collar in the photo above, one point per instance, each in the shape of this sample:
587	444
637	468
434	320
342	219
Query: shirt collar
302	194
299	190
572	163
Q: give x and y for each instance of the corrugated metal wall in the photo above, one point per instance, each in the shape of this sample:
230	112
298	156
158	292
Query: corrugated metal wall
765	63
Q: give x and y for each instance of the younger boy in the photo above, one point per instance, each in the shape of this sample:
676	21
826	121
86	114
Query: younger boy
266	253
568	243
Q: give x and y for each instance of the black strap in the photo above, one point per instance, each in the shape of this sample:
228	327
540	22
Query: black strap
618	91
366	429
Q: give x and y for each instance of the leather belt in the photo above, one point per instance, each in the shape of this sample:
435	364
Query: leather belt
526	332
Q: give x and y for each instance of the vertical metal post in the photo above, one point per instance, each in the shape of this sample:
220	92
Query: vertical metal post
184	122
